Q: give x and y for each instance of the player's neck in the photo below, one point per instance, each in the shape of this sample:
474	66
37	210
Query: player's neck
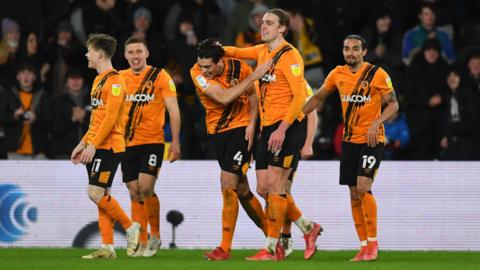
272	45
355	68
104	66
138	71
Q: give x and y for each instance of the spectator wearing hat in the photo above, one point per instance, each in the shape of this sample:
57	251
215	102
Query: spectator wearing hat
71	114
8	51
423	90
25	117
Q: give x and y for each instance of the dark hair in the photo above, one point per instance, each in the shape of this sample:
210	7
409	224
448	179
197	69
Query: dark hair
210	48
432	44
429	6
283	17
132	40
359	38
26	66
103	42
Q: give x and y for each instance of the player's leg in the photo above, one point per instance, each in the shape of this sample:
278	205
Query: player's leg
102	171
251	204
369	163
130	169
152	157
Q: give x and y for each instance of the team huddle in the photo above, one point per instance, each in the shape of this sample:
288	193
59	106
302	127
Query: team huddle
128	116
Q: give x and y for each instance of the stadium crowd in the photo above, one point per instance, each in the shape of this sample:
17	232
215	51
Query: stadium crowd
431	49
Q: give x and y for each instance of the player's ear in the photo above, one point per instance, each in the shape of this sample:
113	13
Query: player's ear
364	52
147	52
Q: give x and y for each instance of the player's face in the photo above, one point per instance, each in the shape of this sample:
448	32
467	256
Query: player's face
136	55
353	52
93	57
271	28
209	68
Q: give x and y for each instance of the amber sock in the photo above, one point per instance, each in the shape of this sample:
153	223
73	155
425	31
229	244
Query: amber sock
115	211
139	215
370	214
277	208
105	226
152	210
359	220
229	218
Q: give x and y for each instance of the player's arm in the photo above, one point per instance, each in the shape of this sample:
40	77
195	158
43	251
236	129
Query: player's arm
389	98
312	120
318	98
175	123
223	97
253	113
243	53
113	106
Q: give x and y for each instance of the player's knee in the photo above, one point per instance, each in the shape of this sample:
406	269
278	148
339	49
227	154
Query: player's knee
262	192
96	197
146	191
243	191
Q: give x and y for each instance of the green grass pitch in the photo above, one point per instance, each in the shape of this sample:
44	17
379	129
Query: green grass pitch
69	259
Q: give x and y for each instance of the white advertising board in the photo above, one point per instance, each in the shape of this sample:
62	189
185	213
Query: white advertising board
421	205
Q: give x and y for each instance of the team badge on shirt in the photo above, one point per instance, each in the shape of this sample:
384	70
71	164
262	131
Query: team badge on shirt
171	84
116	89
295	69
389	82
202	82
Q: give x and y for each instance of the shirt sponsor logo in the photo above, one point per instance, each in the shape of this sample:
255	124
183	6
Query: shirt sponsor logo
140	97
202	82
295	69
268	78
116	89
96	102
356	98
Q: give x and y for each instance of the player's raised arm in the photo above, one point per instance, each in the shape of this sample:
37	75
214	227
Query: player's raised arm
243	53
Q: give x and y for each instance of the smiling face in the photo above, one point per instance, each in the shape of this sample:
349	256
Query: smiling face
271	28
208	68
353	52
136	55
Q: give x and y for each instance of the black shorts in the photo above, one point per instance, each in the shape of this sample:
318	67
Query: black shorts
101	170
231	150
301	141
144	158
288	155
359	160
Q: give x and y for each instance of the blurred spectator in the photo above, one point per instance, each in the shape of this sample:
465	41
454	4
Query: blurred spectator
397	134
424	83
473	77
3	151
239	19
24	115
205	15
305	38
183	54
142	28
252	36
384	45
71	114
461	134
426	29
62	54
8	51
29	52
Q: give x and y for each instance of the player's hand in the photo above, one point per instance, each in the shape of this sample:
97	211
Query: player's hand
174	152
75	156
275	141
261	70
372	134
87	154
307	151
249	133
